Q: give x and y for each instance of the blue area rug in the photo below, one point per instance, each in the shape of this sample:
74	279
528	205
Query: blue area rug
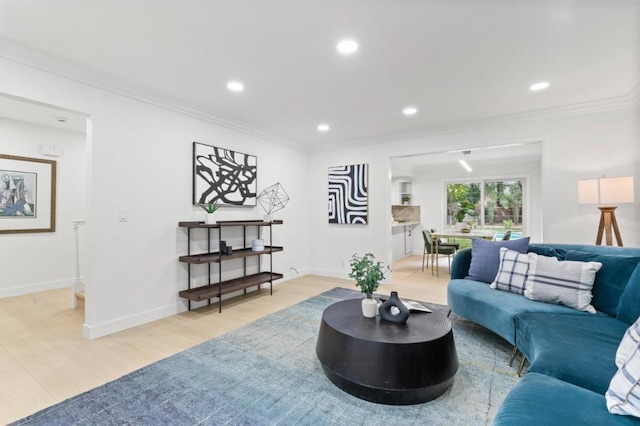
267	373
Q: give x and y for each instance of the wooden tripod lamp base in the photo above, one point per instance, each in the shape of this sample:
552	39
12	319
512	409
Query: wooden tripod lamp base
607	222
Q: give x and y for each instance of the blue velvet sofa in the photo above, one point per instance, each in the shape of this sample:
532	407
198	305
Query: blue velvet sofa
571	353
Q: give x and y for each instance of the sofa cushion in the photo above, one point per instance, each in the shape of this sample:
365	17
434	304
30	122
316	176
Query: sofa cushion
611	279
577	349
566	282
623	395
629	343
512	272
485	257
543	400
543	250
496	310
629	308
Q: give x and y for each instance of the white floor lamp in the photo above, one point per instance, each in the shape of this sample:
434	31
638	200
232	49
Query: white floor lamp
607	191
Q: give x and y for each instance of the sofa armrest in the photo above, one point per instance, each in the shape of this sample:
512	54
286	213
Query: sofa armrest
461	263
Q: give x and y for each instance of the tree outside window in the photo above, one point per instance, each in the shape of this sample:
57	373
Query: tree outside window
490	204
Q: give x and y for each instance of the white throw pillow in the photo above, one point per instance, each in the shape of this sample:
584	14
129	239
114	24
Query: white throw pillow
565	282
512	272
629	343
623	395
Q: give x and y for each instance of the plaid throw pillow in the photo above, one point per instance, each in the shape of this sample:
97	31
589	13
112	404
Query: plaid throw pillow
512	272
629	343
566	282
623	395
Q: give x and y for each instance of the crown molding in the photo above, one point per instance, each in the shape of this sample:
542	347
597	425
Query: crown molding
88	76
629	100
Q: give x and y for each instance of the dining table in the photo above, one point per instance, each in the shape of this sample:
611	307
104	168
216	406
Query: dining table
479	233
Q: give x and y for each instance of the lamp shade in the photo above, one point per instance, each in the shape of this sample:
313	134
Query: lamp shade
616	190
588	191
606	190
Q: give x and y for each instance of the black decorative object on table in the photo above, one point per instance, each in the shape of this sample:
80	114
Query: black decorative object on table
394	310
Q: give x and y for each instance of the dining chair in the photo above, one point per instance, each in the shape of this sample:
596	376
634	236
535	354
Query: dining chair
429	249
440	243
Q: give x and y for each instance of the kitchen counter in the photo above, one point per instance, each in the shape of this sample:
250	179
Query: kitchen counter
397	224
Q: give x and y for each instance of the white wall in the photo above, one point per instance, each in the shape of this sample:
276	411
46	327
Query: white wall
44	261
577	147
429	191
140	161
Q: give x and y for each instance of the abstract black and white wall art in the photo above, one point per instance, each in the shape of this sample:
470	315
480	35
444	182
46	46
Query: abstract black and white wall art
348	199
223	175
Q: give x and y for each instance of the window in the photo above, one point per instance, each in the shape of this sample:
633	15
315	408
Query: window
495	204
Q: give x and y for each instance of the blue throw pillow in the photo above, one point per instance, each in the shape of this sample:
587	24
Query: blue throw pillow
610	280
485	257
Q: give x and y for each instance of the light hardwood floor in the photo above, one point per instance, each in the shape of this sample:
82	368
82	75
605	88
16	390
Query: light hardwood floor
45	360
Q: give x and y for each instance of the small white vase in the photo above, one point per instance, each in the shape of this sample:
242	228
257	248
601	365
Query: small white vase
369	307
210	218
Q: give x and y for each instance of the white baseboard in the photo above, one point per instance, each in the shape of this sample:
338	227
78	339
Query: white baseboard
35	287
99	330
330	273
109	327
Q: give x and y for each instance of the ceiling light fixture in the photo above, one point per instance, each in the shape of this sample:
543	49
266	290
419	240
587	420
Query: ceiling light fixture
347	47
323	128
235	86
410	111
539	86
464	164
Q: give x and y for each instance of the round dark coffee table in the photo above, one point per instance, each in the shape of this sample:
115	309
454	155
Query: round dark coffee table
385	362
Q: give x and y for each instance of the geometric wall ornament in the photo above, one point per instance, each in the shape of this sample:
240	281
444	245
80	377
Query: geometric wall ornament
223	175
348	196
273	198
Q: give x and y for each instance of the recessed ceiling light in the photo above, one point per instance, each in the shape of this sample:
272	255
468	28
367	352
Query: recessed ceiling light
347	47
235	86
539	86
410	110
323	128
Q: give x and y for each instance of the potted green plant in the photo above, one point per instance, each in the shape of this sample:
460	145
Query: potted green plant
368	273
210	208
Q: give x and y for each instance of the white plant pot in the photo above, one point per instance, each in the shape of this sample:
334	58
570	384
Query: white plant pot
459	226
369	307
210	218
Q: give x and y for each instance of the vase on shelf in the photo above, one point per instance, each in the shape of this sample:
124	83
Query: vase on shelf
369	307
210	218
394	310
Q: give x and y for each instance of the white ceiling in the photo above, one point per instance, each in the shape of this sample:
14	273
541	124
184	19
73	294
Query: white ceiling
456	61
24	110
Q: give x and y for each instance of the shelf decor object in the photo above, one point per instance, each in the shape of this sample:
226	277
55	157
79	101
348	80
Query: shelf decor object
607	191
348	194
225	252
223	175
27	195
272	199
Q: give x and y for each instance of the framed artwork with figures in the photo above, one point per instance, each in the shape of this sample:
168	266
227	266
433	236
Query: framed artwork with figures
27	195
